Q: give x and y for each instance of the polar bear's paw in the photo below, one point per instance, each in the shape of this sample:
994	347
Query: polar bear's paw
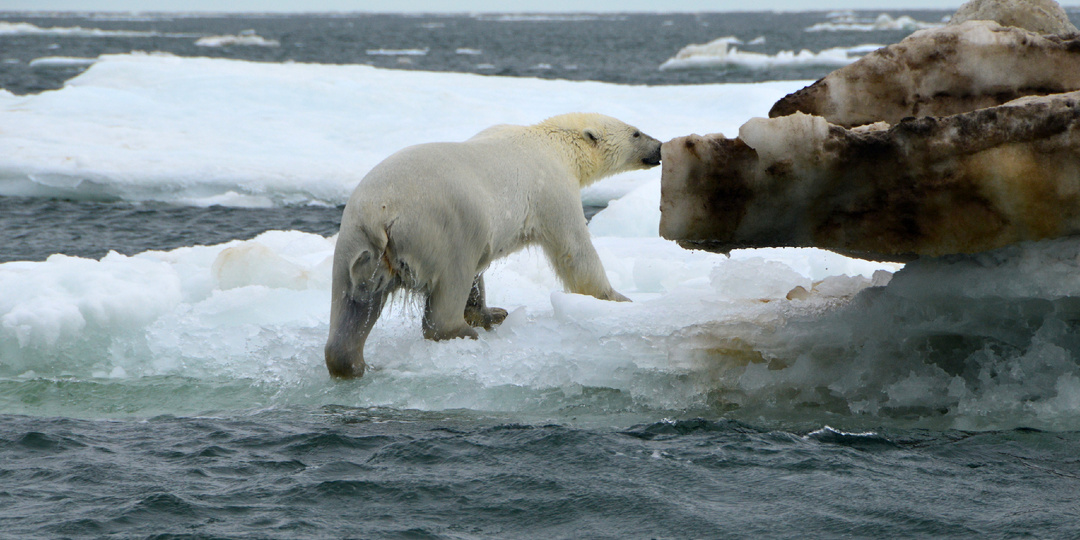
486	318
444	334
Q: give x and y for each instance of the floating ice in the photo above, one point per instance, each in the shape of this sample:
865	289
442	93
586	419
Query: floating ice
61	61
884	22
721	52
246	38
211	131
539	17
396	52
256	312
982	342
962	68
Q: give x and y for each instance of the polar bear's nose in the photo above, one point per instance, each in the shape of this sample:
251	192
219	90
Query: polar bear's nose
653	159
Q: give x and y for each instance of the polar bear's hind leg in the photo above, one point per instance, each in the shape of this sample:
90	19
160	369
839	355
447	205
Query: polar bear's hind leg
444	312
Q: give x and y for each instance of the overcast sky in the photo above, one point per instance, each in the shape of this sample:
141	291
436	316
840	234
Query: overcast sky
442	6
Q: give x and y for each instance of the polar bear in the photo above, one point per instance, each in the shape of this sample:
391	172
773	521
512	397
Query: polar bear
432	217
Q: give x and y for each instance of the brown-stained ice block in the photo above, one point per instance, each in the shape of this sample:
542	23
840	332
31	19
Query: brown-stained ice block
1041	16
941	72
931	186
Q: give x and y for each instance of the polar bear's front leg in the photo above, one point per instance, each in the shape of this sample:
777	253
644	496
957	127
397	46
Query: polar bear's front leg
476	311
578	266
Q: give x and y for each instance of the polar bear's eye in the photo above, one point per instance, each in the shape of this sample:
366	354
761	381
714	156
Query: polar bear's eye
637	134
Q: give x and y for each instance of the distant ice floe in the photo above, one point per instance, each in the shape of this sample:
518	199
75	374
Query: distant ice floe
848	22
468	51
722	52
246	38
545	17
24	28
396	52
61	61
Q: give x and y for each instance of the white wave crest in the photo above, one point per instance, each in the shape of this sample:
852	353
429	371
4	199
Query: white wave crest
24	28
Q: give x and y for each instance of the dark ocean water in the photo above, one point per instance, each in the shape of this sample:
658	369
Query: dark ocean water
91	457
391	474
625	48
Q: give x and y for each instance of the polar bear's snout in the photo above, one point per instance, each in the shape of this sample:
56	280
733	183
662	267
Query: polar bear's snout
652	159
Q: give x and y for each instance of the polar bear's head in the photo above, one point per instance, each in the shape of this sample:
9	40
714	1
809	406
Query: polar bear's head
603	146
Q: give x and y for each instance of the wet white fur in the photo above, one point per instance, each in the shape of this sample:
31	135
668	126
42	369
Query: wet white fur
432	217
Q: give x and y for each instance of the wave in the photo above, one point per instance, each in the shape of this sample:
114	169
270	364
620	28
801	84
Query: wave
24	28
722	52
245	38
156	127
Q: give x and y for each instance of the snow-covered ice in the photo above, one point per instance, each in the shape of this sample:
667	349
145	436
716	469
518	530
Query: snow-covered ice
212	131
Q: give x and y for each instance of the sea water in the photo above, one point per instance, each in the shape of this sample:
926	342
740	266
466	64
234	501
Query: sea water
171	188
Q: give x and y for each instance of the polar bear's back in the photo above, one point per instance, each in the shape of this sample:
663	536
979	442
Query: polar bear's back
488	186
489	169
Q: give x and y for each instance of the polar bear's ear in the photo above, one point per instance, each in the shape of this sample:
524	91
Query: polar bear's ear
591	135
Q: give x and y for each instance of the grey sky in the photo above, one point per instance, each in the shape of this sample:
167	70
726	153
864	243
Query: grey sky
414	6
